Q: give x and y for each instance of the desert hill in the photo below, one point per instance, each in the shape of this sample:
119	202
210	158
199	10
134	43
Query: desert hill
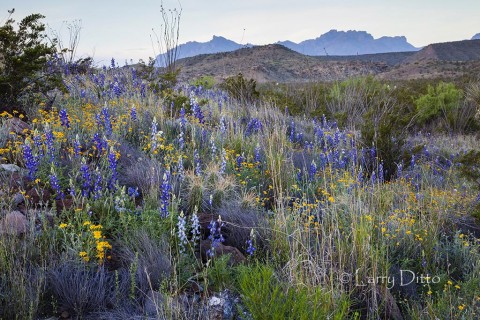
276	63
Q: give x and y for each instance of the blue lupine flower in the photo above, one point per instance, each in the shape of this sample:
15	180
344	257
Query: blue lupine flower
112	63
256	154
182	232
55	184
180	168
107	124
87	179
71	188
292	132
253	126
223	127
412	161
64	120
183	121
132	192
165	196
133	113
117	90
97	186
196	160
250	248
195	226
312	171
37	141
239	161
399	170
76	146
213	147
223	165
374	177
50	144
215	236
380	173
196	110
153	135
31	162
181	141
112	163
99	143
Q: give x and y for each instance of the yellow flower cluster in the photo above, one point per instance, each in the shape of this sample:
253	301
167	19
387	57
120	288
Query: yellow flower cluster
98	244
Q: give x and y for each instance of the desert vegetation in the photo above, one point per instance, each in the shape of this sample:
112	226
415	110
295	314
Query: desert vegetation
128	195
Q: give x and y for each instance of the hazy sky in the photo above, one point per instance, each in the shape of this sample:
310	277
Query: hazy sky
122	28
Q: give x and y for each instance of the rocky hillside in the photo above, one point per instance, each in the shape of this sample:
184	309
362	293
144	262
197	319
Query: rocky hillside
465	50
275	63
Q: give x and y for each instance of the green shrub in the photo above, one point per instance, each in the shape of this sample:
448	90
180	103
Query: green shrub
267	298
241	89
207	82
23	58
439	101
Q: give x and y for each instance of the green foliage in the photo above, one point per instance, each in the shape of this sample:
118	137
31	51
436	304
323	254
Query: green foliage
241	89
23	57
207	82
220	274
439	100
267	298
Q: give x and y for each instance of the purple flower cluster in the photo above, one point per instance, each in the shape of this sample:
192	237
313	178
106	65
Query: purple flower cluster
216	237
112	163
55	183
31	162
198	164
87	180
64	120
165	196
253	126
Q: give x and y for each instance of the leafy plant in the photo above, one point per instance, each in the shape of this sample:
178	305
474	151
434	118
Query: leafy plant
23	58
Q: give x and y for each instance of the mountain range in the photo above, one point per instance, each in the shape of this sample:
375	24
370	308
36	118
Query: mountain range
347	43
277	63
335	43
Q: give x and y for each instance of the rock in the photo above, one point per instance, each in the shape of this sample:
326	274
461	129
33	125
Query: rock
10	167
17	126
236	257
153	303
64	204
38	197
223	306
14	223
18	198
14	180
215	308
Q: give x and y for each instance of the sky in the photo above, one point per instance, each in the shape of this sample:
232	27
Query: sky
123	28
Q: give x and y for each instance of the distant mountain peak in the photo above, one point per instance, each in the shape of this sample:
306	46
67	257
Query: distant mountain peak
333	42
351	42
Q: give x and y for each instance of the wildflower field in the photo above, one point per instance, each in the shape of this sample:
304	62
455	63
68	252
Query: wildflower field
127	200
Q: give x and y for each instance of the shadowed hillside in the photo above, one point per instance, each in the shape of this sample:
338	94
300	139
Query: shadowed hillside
275	63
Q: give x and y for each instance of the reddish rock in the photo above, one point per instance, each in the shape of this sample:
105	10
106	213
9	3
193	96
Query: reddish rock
16	125
34	196
14	223
64	204
236	257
